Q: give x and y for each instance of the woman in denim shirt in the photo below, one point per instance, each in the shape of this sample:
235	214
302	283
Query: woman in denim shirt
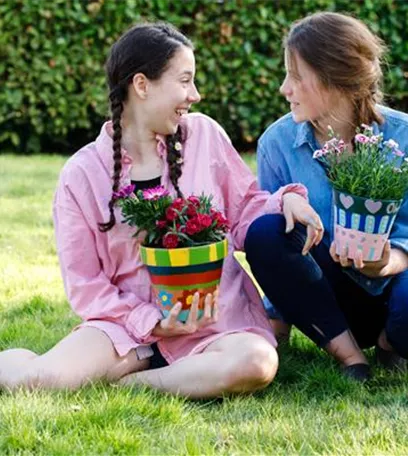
333	78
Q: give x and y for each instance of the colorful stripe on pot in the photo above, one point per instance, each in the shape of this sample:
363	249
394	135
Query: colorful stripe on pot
176	274
184	256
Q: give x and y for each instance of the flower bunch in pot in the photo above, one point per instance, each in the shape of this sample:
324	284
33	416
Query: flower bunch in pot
184	244
369	184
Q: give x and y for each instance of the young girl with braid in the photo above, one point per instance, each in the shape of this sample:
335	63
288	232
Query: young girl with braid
153	140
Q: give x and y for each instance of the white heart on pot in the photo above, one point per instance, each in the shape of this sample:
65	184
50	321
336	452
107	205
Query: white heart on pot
373	206
346	200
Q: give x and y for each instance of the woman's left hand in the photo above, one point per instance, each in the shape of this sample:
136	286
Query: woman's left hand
297	209
371	269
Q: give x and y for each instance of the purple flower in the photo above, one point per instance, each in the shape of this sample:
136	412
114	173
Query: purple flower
124	192
398	153
155	193
362	139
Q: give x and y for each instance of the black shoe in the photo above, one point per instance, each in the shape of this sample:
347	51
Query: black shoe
360	372
390	360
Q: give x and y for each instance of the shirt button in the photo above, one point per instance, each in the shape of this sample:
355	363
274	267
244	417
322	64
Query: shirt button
368	282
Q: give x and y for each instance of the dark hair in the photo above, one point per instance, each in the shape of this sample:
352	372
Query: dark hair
147	49
345	55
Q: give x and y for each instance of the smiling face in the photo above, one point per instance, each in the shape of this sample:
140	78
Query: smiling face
171	96
309	100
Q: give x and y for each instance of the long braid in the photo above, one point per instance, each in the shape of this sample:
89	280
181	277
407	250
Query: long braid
116	104
175	159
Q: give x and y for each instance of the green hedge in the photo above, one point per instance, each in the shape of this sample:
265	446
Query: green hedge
53	91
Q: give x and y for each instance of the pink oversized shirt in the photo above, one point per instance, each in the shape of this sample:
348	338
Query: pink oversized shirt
105	281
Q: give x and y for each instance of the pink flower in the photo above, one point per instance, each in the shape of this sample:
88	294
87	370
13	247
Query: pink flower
124	192
362	139
391	144
375	139
341	146
398	153
367	128
170	241
318	153
331	143
155	193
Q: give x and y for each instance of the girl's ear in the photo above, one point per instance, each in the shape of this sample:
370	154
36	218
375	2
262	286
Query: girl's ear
140	84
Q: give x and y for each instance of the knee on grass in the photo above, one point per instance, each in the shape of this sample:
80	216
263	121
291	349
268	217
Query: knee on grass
252	368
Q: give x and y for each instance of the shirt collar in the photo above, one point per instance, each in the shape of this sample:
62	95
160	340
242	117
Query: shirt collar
305	135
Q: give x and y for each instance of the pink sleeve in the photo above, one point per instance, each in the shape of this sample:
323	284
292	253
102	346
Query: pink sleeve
244	201
91	294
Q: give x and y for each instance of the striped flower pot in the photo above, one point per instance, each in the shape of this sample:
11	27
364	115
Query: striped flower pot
362	224
176	274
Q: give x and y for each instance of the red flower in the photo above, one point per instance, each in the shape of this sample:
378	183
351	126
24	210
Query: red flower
204	220
161	224
191	210
192	226
171	214
170	241
180	228
222	222
178	204
194	200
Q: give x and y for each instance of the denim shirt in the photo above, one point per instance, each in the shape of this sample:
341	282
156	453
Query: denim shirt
285	155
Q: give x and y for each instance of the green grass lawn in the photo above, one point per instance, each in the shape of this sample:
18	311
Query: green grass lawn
309	408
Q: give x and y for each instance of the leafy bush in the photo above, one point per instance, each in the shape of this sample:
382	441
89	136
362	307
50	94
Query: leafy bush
52	52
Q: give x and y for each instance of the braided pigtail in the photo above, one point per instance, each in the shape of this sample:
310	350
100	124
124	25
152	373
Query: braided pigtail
174	158
116	104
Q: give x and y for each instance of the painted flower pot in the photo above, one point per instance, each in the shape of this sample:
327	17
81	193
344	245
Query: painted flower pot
362	224
176	274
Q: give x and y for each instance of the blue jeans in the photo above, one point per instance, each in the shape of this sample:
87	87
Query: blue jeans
314	294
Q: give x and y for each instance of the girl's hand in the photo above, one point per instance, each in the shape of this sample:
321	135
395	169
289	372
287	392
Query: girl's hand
371	269
297	209
170	326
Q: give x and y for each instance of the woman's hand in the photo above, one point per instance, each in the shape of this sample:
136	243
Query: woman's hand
371	269
170	326
297	209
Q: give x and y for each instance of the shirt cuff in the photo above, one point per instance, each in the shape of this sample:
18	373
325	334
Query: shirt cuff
141	322
275	204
